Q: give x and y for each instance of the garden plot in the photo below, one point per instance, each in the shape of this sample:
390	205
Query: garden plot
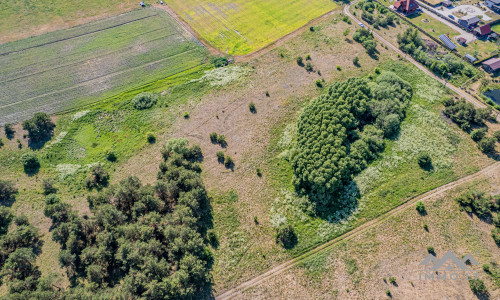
65	69
240	27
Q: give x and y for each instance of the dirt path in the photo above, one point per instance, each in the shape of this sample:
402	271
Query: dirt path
459	91
253	55
440	191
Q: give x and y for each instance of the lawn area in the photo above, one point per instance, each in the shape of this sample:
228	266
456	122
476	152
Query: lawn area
433	27
85	64
21	19
496	28
479	49
241	27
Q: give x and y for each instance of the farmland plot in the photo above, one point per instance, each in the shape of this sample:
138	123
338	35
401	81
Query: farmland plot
240	27
70	68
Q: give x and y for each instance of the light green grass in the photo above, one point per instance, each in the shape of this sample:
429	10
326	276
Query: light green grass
241	27
82	65
433	27
479	49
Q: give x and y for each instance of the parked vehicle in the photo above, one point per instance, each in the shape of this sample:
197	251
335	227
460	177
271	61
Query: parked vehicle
451	17
361	24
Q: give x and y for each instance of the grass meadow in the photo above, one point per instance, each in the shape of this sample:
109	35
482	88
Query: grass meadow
71	68
241	27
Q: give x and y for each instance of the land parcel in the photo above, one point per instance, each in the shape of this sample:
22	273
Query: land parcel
239	26
84	64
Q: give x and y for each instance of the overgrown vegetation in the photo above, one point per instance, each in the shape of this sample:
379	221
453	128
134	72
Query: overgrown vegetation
144	101
365	37
340	132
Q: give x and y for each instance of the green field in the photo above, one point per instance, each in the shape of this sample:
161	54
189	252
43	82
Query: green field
82	65
240	27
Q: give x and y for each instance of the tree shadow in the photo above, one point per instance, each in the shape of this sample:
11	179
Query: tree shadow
38	144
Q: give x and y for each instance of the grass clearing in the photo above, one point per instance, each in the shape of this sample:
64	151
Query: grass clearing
241	27
82	65
432	26
479	49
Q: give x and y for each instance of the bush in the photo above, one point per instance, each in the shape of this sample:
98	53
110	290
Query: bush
309	67
151	138
7	190
392	280
495	234
478	134
144	101
221	140
259	173
1	143
496	135
285	235
220	62
339	68
30	163
420	207
487	144
267	94
97	178
300	61
186	115
21	220
475	202
111	156
48	186
252	108
424	161
9	131
430	250
355	61
308	57
477	286
220	156
40	127
319	83
228	162
214	138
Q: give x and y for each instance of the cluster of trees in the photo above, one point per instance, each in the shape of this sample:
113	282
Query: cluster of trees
40	128
411	43
483	206
144	101
365	37
466	116
340	132
382	19
142	241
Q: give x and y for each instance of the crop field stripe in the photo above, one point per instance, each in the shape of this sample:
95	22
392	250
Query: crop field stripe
82	61
73	37
97	78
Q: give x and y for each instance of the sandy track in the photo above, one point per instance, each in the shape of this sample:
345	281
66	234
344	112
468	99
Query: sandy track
440	191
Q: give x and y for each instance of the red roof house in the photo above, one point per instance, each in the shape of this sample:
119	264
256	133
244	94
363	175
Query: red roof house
483	30
492	65
407	7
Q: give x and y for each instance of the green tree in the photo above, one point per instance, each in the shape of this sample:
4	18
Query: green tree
7	190
30	163
40	127
487	144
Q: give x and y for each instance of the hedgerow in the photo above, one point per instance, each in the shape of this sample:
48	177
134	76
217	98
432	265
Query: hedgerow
340	132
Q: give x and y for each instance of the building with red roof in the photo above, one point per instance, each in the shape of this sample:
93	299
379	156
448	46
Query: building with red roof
483	30
407	7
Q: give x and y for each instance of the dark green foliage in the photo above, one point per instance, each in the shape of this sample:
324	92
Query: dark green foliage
1	143
30	163
496	135
40	128
48	186
300	61
259	172
487	144
221	140
319	83
309	67
355	61
111	156
475	202
424	160
151	138
463	113
97	178
340	132
285	235
142	241
392	280
7	191
430	250
370	46
144	101
220	156
478	134
220	62
228	161
21	220
5	219
365	37
252	108
9	131
477	286
495	234
420	207
388	293
213	137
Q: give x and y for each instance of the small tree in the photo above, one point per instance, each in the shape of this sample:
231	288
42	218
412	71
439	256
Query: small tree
477	286
370	46
221	140
309	67
478	134
355	61
7	190
496	135
424	161
98	177
1	143
30	163
48	186
40	127
319	83
9	131
487	144
213	137
111	156
252	108
228	161
430	250
392	280
220	156
420	207
151	138
285	235
300	61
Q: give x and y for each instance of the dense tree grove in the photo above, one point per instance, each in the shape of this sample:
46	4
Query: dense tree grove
40	127
142	241
340	132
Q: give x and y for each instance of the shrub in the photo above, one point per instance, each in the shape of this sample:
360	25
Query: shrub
214	138
228	161
424	161
111	156
40	127
339	68
426	227
144	101
311	28
477	286
252	108
487	144
186	115
475	202
420	207
355	61
308	57
388	293
319	83
478	134
392	280
98	177
300	61
212	238
309	67
151	138
221	140
259	173
430	250
48	186
496	135
9	131
267	94
220	62
30	163
220	156
7	190
21	220
285	235
495	234
1	143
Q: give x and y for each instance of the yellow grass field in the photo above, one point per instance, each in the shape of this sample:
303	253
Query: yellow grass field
239	27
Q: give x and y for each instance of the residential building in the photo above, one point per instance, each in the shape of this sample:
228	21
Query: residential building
492	65
469	22
407	7
482	30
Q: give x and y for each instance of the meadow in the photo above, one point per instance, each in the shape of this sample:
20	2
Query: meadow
75	67
241	27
